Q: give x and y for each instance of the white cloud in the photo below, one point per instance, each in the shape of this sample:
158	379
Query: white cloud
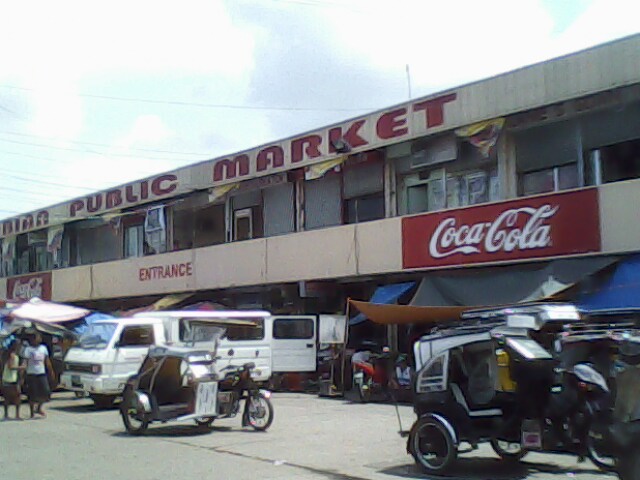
602	21
445	43
146	130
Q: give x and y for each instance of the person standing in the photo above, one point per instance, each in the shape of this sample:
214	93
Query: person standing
11	379
38	365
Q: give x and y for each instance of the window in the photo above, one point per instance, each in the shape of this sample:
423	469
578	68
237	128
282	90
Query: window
429	191
243	224
363	188
364	209
133	241
155	230
247	208
550	180
293	328
137	336
614	163
236	333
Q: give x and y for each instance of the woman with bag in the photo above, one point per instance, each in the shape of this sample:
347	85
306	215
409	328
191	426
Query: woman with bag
11	379
38	368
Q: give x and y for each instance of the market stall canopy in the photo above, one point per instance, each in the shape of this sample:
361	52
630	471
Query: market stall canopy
508	284
162	304
385	294
408	314
619	289
48	312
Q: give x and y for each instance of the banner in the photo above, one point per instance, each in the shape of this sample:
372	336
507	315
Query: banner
482	135
54	242
155	229
8	254
319	169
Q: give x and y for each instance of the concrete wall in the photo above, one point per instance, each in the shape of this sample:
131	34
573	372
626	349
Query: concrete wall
620	216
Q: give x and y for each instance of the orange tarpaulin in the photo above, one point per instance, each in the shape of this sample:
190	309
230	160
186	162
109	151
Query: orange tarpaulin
407	314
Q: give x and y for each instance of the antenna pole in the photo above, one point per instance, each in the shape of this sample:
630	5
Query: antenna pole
408	80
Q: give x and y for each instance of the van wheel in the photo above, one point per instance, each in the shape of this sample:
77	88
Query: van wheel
103	401
432	445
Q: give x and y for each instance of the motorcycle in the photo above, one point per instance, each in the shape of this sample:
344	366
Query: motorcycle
489	378
182	383
370	378
237	385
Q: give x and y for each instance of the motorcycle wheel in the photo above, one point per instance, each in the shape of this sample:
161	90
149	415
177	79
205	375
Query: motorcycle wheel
259	412
134	423
432	446
629	466
364	391
506	451
205	422
603	462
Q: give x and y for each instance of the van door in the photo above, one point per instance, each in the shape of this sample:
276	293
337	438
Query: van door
294	346
131	348
247	344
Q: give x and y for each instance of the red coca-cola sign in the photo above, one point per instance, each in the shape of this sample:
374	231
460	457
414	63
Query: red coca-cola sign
544	226
26	287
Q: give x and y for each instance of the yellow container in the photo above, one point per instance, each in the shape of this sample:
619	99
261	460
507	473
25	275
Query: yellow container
505	383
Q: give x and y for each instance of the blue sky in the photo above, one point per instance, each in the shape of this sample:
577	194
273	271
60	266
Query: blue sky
92	97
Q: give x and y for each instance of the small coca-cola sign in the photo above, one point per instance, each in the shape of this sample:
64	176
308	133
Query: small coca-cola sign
544	226
27	287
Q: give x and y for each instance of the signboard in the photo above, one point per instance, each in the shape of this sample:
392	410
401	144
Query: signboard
26	287
543	226
160	272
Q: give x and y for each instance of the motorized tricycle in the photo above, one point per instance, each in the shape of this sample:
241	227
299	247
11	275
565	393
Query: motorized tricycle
181	383
515	378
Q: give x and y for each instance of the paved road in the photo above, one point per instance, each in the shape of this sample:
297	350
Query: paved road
311	438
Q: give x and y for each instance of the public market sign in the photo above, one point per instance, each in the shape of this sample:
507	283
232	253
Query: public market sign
544	226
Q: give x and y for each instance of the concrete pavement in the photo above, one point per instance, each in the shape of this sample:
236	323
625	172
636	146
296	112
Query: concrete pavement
311	438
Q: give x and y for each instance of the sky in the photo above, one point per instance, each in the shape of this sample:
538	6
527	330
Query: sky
94	95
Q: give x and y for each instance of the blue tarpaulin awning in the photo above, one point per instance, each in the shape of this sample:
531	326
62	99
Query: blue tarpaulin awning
384	295
620	290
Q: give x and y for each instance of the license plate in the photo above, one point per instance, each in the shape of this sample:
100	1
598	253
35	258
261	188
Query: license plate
75	381
206	399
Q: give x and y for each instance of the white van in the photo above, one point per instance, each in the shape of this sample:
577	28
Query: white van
112	350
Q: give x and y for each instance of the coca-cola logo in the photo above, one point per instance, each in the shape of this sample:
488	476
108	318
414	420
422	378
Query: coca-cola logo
28	289
521	228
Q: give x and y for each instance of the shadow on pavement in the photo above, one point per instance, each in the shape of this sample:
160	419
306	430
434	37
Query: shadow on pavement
491	469
174	431
81	407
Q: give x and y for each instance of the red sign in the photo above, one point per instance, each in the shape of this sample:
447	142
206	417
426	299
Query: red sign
545	226
27	287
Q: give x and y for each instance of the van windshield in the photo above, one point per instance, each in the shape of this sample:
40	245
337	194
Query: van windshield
98	335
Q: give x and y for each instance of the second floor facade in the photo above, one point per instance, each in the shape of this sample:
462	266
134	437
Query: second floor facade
571	139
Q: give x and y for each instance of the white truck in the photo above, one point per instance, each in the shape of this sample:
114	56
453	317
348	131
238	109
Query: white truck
113	350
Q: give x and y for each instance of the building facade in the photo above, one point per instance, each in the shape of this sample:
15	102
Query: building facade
513	172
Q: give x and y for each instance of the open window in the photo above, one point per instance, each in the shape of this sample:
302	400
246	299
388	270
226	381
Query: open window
445	172
363	189
433	377
548	158
137	336
247	215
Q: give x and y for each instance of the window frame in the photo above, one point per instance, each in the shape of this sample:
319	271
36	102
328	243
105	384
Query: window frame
290	320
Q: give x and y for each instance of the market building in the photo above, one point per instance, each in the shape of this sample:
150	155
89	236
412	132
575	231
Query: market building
503	189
